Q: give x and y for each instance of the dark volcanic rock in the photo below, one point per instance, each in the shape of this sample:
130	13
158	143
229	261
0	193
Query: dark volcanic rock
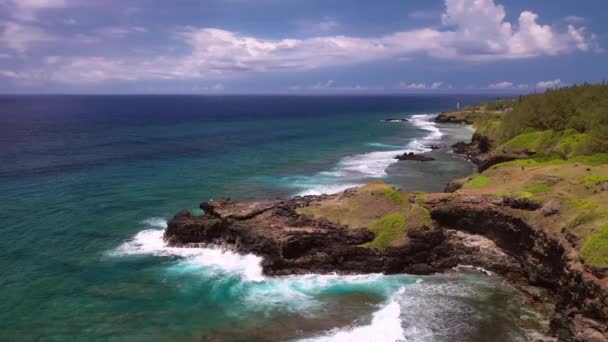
581	312
454	185
492	233
413	156
292	244
463	117
435	147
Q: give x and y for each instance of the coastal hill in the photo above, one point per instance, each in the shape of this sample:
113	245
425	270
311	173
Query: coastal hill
535	213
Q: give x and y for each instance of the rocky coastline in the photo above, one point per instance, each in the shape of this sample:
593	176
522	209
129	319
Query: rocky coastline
502	234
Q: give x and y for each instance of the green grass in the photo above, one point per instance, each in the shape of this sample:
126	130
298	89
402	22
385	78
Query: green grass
426	215
595	249
587	217
582	204
387	229
393	196
566	144
593	180
590	160
538	188
479	181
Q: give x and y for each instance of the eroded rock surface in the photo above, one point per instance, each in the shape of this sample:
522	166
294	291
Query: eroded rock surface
491	233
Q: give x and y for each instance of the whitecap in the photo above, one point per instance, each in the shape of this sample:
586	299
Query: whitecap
155	222
359	169
384	327
151	242
424	121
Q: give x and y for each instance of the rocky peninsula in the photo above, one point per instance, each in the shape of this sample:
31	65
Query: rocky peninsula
528	219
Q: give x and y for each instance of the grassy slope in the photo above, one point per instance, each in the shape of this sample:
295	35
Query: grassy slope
578	188
569	172
568	167
378	207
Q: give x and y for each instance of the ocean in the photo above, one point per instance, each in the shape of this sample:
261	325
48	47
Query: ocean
87	184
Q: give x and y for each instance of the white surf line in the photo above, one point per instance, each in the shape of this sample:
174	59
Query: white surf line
354	170
151	242
384	327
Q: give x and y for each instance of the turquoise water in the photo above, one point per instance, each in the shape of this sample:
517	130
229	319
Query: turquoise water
87	184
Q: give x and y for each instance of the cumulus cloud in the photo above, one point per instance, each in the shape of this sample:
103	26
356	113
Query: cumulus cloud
474	30
420	86
557	83
507	85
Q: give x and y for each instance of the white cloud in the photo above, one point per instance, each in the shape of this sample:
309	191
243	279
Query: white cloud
119	31
501	85
70	21
20	37
9	74
505	85
28	9
557	83
475	30
508	85
330	86
420	86
574	19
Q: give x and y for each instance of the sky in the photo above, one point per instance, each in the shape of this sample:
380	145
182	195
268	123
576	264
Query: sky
300	46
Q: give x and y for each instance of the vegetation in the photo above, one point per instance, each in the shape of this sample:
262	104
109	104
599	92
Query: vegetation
564	144
538	188
592	180
581	203
478	181
393	196
595	249
577	116
587	217
591	160
387	229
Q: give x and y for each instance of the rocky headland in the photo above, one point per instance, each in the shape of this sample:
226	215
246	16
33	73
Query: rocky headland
377	228
541	223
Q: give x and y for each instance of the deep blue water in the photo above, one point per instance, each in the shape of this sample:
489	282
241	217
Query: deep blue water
87	183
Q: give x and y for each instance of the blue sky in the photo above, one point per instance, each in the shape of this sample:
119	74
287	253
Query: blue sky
300	46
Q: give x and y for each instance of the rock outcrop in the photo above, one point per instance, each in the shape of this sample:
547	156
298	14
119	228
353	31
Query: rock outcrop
414	157
461	117
491	233
292	244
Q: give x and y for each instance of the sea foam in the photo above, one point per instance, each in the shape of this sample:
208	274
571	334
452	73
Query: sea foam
384	327
357	170
150	242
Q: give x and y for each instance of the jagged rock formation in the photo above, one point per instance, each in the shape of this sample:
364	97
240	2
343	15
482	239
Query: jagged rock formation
492	233
414	157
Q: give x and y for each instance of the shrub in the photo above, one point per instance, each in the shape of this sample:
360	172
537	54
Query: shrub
595	248
387	229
